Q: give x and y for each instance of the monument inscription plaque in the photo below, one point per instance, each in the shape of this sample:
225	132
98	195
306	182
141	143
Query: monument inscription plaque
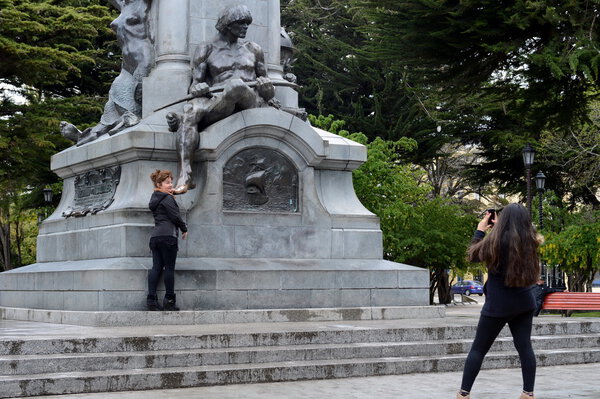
260	179
94	191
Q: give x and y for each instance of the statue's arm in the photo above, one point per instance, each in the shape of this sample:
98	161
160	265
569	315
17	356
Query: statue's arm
264	86
259	66
199	86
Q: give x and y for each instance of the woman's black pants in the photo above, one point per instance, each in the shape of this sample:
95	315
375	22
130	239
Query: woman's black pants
487	331
164	255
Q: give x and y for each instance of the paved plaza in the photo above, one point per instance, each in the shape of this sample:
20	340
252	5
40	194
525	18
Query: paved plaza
558	382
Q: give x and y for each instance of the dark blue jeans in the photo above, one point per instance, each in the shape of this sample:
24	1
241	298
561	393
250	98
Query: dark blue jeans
487	331
164	254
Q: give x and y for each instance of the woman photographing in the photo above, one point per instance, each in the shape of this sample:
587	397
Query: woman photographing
509	252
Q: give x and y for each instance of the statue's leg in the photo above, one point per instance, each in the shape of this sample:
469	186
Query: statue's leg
186	144
236	96
245	96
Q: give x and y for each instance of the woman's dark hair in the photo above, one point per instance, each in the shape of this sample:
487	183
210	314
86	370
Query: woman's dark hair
511	243
159	176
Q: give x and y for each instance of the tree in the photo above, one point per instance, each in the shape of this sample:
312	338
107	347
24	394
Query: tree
576	155
577	250
58	47
493	73
338	77
58	59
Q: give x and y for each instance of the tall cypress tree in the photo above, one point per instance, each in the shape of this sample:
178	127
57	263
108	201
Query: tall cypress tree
58	58
339	77
502	72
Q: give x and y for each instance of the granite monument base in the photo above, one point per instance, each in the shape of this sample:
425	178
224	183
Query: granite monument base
274	222
217	284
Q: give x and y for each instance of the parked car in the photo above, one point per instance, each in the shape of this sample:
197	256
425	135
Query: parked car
468	287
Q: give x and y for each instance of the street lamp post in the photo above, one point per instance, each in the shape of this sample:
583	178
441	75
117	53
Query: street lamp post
528	157
47	191
540	182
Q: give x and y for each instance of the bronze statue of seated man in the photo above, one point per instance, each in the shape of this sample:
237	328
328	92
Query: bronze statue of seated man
229	75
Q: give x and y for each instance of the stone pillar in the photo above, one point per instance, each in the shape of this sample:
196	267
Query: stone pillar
171	77
272	47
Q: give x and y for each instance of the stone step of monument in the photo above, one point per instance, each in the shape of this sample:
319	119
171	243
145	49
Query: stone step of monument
268	336
181	377
71	362
203	317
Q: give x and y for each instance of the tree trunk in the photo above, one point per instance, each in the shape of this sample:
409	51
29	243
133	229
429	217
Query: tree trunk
440	282
19	241
444	288
5	260
579	280
432	285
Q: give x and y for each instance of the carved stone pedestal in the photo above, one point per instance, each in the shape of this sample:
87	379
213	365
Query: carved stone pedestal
273	223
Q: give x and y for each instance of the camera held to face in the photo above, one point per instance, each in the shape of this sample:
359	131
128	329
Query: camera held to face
492	217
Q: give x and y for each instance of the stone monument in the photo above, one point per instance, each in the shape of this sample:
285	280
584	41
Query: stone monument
273	218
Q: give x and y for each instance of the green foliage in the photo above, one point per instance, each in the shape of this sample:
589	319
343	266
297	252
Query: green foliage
340	78
575	156
467	44
576	249
59	47
493	73
59	58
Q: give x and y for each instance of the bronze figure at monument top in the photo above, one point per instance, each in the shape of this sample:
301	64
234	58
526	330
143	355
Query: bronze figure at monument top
228	62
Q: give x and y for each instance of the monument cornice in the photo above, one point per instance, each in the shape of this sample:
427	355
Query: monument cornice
142	142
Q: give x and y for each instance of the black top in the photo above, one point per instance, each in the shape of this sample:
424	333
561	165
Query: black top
166	215
500	300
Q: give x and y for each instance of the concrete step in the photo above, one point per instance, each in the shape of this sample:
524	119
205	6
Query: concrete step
204	317
45	365
328	334
38	364
180	377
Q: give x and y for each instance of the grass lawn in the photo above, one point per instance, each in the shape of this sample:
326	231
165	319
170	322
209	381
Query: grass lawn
578	314
588	314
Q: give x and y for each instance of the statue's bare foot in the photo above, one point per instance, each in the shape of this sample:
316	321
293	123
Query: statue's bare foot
69	131
180	189
173	121
87	136
183	188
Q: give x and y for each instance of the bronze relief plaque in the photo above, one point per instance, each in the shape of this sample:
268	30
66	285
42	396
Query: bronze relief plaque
94	191
260	179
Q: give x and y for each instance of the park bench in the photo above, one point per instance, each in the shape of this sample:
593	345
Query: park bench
569	301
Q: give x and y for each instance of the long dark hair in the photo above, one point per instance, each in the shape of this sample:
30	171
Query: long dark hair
512	243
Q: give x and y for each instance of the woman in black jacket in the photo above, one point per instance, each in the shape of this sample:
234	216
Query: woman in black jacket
510	254
163	240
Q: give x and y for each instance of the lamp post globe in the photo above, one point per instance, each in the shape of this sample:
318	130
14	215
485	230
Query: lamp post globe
528	155
47	195
540	181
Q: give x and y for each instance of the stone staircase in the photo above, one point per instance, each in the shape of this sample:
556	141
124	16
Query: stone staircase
32	366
